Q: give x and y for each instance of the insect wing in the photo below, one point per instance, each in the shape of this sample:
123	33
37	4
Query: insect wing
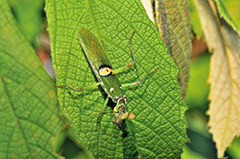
93	49
98	59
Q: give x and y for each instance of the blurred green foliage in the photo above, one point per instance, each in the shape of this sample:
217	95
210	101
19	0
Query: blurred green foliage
233	151
198	89
189	154
67	145
29	15
195	22
232	6
200	140
201	144
29	114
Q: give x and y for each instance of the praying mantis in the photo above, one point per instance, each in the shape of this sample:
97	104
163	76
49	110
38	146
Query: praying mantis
107	76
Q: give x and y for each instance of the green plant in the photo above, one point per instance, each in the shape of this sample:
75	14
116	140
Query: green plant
33	124
157	103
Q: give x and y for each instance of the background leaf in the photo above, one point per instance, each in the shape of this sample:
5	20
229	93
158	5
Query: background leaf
158	130
28	104
189	154
173	21
198	88
232	6
225	15
29	18
224	74
195	22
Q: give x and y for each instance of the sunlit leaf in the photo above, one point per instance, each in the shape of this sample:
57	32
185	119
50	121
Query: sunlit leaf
158	130
224	76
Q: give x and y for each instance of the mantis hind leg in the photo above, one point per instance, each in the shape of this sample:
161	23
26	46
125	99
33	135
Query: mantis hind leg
101	112
93	86
139	82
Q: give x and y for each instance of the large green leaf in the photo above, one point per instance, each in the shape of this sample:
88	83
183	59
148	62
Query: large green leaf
158	130
29	116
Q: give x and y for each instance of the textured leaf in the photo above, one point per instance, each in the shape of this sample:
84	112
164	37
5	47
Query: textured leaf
224	75
173	22
29	116
28	15
158	130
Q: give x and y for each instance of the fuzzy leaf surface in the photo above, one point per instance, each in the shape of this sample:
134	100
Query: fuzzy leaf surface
173	22
158	130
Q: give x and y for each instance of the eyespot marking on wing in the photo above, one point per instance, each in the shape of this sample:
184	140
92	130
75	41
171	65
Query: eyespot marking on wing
105	70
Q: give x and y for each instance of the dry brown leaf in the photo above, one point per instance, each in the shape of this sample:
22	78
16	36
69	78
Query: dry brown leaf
224	76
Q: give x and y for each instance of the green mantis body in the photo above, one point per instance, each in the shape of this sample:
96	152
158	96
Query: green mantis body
100	64
105	75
